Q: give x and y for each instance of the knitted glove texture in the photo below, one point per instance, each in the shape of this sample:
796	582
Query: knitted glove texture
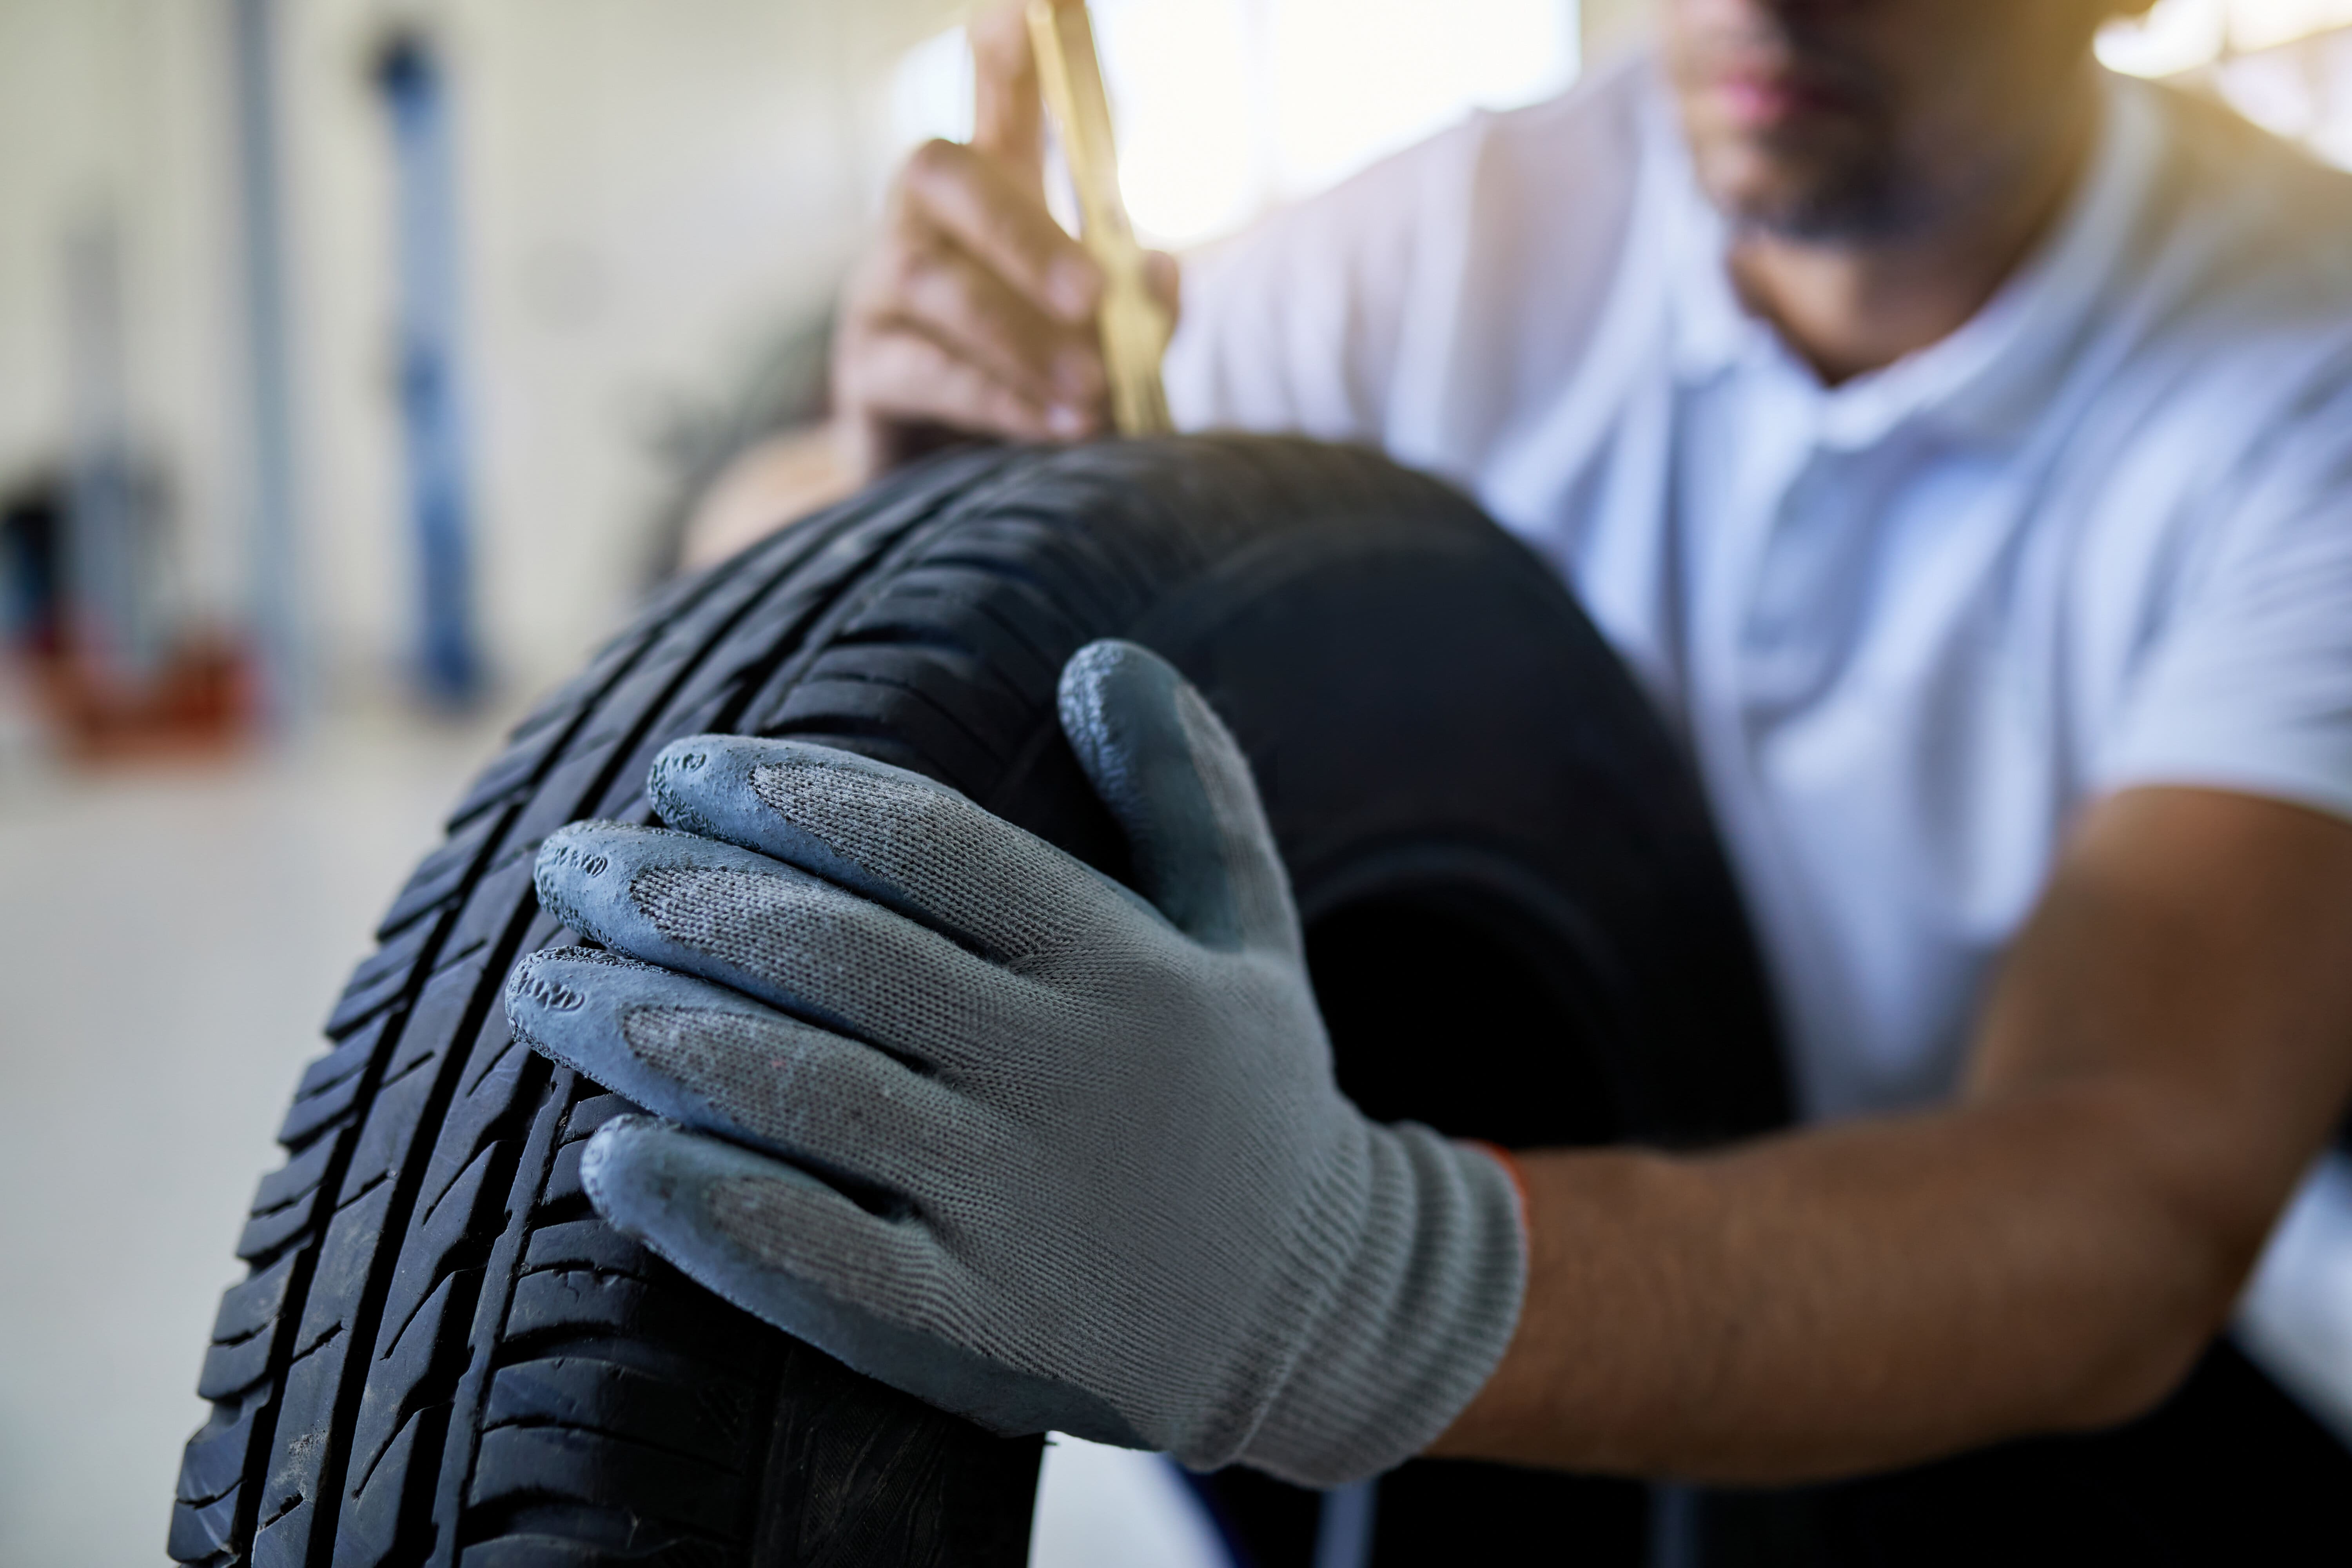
947	1103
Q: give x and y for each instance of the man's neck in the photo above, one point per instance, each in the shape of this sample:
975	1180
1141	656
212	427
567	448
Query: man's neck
1848	307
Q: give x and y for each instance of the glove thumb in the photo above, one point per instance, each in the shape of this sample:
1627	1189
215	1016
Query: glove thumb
1177	783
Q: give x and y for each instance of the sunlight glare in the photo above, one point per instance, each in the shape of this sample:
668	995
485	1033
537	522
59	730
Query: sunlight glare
1225	108
1358	79
2180	35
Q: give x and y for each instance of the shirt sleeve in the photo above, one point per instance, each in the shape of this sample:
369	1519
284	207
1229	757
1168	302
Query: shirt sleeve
2250	687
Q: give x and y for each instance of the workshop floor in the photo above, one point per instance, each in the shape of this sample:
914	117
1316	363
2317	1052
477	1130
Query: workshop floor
169	942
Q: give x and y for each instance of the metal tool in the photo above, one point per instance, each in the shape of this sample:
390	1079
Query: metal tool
1135	328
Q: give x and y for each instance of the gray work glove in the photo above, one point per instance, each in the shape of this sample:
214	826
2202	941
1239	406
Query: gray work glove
954	1106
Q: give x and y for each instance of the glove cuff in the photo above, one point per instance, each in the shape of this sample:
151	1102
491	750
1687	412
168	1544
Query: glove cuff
1427	1305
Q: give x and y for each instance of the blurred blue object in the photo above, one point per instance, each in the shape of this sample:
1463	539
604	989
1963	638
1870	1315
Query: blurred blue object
431	401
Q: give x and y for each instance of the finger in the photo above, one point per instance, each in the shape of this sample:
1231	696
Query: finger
705	1057
1008	115
904	840
742	1223
1164	275
1177	782
882	1295
960	303
969	198
745	921
902	373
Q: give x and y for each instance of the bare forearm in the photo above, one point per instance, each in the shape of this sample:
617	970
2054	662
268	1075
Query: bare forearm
1846	1300
2169	1044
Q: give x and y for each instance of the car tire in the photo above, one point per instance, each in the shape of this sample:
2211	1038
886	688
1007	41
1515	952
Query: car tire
1520	925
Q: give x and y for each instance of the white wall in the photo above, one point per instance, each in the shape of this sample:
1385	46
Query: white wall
652	190
112	111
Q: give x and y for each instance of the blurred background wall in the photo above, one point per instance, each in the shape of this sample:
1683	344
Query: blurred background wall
209	252
358	359
645	199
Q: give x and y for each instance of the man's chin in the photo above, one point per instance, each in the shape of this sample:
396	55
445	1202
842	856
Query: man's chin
1808	198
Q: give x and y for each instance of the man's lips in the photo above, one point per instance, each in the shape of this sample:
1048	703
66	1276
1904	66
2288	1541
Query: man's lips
1762	98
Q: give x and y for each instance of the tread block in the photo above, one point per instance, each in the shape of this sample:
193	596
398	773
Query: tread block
709	1417
287	1505
629	782
503	892
231	1369
390	1128
951	753
567	701
959	602
199	1531
380	980
252	1304
916	620
531	749
377	1517
298	1178
955	683
593	1467
486	1090
588	1243
336	1281
265	1233
283	1539
451	1232
1040	558
306	1118
563	1184
215	1460
568	795
580	1300
417	1371
386	1137
340	1064
441	875
592	1112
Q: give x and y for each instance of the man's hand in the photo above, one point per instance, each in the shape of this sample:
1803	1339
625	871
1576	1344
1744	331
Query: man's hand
976	313
990	1127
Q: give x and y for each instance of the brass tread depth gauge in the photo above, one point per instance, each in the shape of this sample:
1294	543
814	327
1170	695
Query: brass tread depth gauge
1135	328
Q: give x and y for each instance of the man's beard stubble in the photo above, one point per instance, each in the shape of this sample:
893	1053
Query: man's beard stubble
1863	199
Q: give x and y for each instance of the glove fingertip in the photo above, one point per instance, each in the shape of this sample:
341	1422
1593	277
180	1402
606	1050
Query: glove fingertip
706	1205
724	787
1105	686
536	983
692	776
568	871
623	1181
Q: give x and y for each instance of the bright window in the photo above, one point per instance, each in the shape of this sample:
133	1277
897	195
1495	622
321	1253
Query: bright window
2287	65
2178	36
1227	107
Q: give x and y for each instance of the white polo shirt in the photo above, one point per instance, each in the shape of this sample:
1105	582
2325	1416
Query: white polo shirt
2100	536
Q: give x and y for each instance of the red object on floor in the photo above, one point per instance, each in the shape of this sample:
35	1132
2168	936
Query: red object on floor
200	702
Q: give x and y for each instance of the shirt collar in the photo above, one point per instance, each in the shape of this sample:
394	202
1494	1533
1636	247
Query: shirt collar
1985	381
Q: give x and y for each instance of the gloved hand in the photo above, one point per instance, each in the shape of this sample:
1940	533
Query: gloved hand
953	1106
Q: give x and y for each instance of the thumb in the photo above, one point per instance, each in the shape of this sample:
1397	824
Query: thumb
1008	120
1177	783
